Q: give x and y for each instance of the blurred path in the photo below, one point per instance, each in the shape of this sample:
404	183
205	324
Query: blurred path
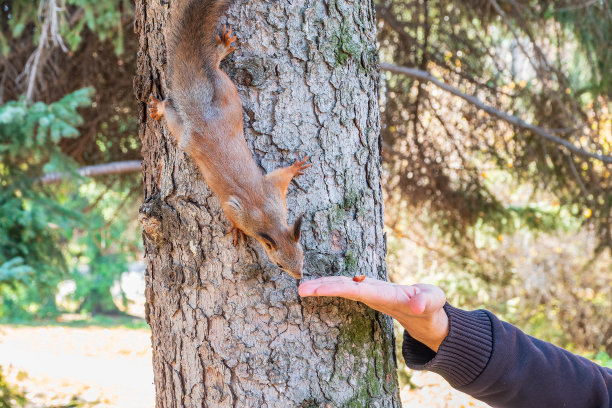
434	392
112	366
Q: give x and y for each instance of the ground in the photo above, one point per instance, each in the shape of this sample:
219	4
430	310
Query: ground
434	392
111	367
106	362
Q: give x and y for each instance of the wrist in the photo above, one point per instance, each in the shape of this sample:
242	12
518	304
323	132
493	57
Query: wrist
464	352
430	329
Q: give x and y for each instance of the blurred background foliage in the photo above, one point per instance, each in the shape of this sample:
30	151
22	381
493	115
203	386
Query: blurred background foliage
66	70
499	217
10	396
487	208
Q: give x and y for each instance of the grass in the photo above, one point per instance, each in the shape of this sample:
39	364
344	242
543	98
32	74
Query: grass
82	321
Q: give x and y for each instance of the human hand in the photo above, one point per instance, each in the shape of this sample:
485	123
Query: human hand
418	307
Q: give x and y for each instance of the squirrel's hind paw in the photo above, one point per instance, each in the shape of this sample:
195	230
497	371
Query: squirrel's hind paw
156	108
224	42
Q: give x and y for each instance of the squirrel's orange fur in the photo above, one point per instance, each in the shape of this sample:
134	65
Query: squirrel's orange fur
204	114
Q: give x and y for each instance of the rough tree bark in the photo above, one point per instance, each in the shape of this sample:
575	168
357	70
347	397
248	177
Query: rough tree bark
228	328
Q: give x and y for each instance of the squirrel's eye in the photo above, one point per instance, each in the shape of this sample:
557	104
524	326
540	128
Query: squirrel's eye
279	265
268	245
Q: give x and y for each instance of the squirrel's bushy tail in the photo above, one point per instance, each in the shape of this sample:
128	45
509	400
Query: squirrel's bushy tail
192	42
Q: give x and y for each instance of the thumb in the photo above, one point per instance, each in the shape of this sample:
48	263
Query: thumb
424	299
418	303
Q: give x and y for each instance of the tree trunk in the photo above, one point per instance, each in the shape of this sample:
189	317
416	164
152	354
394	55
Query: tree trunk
228	328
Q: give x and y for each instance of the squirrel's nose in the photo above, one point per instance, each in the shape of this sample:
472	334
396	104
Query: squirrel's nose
295	274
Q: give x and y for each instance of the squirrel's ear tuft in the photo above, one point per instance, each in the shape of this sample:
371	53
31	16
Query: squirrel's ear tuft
297	228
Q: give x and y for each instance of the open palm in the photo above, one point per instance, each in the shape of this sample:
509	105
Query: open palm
418	307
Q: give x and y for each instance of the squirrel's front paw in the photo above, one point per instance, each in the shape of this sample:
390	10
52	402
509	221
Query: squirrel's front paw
299	166
156	108
239	235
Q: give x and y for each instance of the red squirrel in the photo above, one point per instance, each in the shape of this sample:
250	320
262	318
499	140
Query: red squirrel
204	114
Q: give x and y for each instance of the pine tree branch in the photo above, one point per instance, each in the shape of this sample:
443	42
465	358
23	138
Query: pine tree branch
48	11
516	121
96	170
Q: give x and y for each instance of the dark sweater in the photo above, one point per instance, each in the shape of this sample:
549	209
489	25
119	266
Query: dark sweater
497	363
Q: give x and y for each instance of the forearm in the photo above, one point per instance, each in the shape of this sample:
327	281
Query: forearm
497	363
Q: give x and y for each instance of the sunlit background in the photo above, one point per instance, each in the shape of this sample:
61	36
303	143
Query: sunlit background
481	197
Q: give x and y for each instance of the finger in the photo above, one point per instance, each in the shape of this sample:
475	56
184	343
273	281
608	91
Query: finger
308	286
331	286
376	294
327	280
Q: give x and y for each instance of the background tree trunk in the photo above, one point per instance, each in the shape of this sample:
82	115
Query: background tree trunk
228	328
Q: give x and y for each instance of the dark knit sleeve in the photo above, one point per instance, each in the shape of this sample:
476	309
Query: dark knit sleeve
497	363
463	354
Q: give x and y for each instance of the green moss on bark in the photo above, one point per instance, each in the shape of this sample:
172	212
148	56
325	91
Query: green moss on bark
359	350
